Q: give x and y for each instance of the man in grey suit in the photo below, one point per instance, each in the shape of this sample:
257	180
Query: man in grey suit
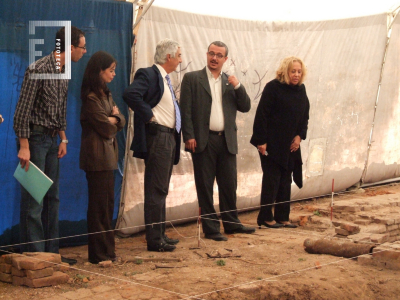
209	103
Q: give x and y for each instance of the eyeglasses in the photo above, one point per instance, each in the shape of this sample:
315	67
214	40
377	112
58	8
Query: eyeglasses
212	54
84	48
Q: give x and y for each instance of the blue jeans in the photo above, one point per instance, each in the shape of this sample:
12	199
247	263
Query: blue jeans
39	222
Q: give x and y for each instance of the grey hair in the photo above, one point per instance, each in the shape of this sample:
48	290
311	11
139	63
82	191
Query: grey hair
165	47
219	44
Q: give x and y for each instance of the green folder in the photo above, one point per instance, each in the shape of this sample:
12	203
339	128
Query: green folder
34	181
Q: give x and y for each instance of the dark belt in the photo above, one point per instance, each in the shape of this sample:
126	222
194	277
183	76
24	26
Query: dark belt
217	132
45	130
161	127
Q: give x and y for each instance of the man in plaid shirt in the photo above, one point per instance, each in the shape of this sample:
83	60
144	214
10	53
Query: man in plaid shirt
39	117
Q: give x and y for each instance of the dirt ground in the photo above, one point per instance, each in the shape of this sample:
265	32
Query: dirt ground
270	264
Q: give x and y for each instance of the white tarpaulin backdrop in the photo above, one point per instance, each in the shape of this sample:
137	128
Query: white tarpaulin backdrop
344	60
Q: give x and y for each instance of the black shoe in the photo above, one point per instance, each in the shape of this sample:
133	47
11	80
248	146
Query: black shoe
163	247
216	237
243	229
170	241
69	261
289	225
276	225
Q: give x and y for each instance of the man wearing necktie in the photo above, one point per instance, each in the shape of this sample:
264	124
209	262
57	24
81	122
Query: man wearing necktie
157	129
210	100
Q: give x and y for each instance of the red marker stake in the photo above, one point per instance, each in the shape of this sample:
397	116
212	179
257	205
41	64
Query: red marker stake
333	186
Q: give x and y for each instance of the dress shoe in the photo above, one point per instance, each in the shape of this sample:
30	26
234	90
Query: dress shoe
216	237
163	247
243	229
69	261
288	225
170	241
276	225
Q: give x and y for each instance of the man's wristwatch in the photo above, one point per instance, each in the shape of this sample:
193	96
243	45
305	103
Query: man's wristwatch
64	141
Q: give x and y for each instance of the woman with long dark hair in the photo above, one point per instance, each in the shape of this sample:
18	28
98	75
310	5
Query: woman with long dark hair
100	121
280	124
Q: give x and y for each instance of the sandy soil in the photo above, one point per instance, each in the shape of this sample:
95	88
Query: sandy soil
270	264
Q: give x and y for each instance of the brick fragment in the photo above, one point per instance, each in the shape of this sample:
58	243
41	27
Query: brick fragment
386	221
394	232
56	278
36	260
392	227
379	238
18	280
393	239
39	273
386	255
351	228
6	277
362	222
5	268
63	267
376	228
16	272
347	208
341	231
105	264
7	258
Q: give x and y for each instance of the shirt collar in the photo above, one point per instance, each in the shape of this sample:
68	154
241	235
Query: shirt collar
210	75
162	71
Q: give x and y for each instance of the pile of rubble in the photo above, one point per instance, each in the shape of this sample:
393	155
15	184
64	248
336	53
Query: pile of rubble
35	270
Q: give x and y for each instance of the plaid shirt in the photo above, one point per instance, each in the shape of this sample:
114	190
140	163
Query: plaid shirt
41	101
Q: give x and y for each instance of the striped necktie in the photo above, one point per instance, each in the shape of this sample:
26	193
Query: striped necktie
177	112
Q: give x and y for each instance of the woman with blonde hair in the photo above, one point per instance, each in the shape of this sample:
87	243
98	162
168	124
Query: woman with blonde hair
280	124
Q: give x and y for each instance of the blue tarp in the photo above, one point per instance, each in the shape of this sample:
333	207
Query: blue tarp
108	26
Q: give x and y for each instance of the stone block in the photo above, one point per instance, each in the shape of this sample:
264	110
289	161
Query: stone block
55	279
36	260
336	223
393	239
341	231
78	294
346	208
106	264
361	237
39	273
63	267
379	238
392	227
6	277
18	280
351	228
16	272
385	255
5	268
394	232
386	221
7	258
376	228
362	222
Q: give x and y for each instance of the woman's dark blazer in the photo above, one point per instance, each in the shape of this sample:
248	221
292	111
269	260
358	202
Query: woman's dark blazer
99	148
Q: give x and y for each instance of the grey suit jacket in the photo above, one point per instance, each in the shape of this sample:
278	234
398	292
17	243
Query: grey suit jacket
196	101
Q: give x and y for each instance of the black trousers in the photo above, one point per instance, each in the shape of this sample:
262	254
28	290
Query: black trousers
216	162
276	187
159	162
101	246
